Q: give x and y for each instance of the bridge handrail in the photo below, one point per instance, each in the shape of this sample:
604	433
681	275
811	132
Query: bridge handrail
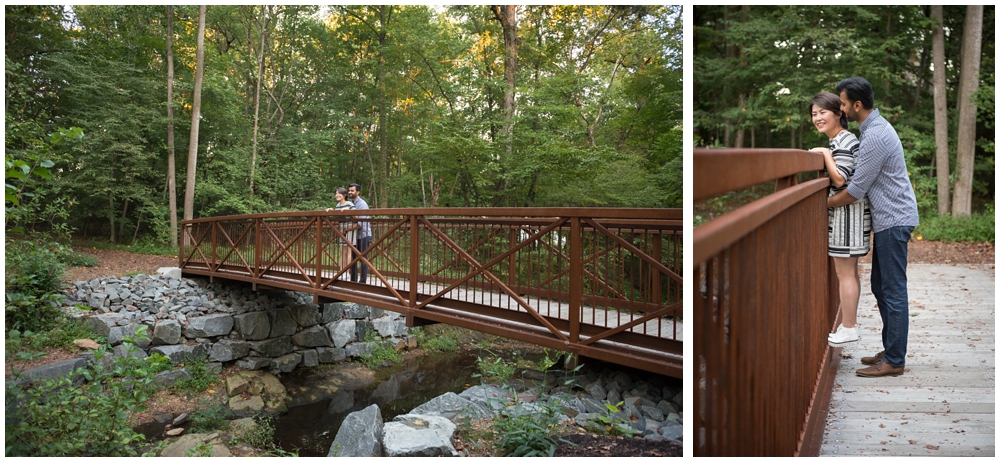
762	306
576	259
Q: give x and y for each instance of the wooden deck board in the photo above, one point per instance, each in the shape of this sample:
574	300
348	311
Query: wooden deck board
944	403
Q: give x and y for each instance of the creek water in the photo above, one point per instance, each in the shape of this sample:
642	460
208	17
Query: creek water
396	390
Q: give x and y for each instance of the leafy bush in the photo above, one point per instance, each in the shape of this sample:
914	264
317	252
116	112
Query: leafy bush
382	353
201	377
209	418
73	259
495	368
612	422
51	417
945	228
447	341
61	336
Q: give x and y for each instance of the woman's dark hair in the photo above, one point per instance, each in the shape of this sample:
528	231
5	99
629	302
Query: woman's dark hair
858	89
342	191
830	102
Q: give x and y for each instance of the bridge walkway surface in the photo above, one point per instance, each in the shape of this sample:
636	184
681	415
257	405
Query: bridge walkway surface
944	403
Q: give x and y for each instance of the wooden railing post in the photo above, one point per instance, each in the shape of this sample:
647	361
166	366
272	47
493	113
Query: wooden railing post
414	260
575	278
319	252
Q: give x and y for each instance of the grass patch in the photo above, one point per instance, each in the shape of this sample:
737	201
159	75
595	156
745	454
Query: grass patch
382	352
61	336
147	248
210	417
945	228
446	341
201	377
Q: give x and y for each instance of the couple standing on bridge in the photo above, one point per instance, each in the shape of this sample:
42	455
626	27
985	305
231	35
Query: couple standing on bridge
871	191
359	234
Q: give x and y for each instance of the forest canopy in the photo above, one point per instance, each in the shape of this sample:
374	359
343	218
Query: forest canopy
757	67
422	106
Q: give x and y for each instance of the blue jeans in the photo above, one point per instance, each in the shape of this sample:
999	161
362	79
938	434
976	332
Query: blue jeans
889	287
363	243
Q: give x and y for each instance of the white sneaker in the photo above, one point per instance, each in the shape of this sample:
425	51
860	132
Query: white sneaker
844	336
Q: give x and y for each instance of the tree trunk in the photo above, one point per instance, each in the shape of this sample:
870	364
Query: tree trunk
192	164
966	145
940	112
171	161
507	15
256	101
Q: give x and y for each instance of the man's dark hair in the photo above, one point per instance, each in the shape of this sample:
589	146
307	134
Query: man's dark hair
858	89
355	185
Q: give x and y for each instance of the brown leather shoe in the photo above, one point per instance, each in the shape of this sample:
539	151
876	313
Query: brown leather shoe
880	369
869	360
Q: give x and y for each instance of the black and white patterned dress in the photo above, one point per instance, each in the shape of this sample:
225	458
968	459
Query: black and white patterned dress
850	226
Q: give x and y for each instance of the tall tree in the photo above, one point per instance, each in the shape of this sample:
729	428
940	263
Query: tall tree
507	15
940	112
171	168
966	144
262	23
192	163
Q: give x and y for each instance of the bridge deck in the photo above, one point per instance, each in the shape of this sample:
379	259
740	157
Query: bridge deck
944	404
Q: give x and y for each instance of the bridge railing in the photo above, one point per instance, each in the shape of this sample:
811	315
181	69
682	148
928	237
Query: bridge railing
604	283
763	306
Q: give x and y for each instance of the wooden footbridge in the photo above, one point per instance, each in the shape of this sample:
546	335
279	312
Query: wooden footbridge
602	283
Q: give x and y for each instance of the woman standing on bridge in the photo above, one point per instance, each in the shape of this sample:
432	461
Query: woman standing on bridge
343	204
849	226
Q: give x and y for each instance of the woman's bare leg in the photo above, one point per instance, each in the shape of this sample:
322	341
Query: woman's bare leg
850	290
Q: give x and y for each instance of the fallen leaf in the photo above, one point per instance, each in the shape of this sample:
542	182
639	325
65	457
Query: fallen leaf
881	425
913	441
932	447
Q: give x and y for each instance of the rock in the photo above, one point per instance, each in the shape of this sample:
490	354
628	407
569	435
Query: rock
593	406
175	431
101	324
167	379
673	432
652	412
228	350
679	399
272	387
66	367
355	311
315	336
332	312
167	332
246	407
180	354
272	348
596	390
253	363
360	435
384	326
282	323
419	436
86	344
331	355
363	327
286	363
491	397
186	445
253	326
236	384
310	358
163	417
342	332
212	325
450	405
171	272
98	300
181	419
305	315
355	350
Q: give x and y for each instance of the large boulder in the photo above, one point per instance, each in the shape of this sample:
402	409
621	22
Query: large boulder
387	327
101	324
212	325
181	353
315	336
253	326
66	367
331	355
342	332
167	379
169	272
228	350
360	435
450	405
419	436
305	315
166	332
282	323
272	348
355	311
186	446
286	363
332	312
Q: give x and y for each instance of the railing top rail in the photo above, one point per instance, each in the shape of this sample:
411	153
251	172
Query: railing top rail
718	171
714	236
503	212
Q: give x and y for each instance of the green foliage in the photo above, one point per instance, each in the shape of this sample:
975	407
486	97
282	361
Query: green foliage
495	368
202	449
447	341
527	434
946	228
210	417
26	201
201	376
143	246
32	282
260	435
382	352
53	418
61	336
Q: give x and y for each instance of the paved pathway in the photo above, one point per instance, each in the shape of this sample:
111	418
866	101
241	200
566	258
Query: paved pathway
944	404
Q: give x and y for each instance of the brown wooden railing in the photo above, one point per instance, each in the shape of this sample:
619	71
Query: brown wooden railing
763	305
600	283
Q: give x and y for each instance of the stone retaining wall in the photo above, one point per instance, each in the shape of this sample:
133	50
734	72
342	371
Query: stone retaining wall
226	322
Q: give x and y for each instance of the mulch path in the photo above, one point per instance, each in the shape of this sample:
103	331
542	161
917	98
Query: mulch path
117	263
947	253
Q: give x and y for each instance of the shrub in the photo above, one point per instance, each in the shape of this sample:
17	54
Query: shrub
495	368
53	418
447	341
61	336
382	353
945	228
209	418
31	285
201	377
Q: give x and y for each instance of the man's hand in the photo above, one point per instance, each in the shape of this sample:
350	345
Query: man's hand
840	199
